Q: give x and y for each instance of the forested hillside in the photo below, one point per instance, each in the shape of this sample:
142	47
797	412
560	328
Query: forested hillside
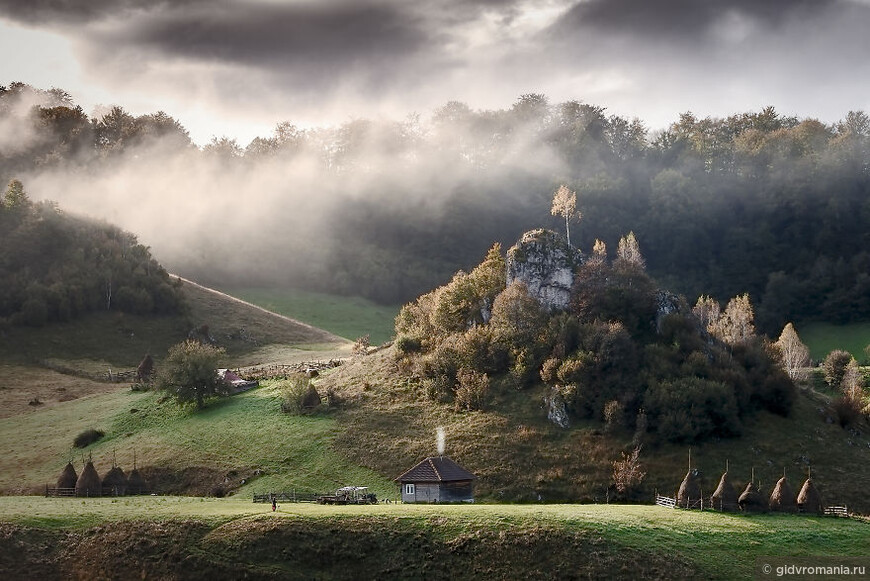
55	267
757	202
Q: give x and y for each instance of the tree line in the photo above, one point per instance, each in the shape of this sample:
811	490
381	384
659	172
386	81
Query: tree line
756	202
56	267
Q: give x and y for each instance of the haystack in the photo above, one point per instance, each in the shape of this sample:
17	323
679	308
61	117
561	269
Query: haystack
89	483
68	477
808	499
115	482
136	483
751	500
782	497
725	497
146	369
690	490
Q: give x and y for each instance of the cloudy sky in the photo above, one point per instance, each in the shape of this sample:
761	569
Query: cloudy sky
238	67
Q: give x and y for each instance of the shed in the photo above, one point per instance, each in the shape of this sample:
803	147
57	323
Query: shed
437	479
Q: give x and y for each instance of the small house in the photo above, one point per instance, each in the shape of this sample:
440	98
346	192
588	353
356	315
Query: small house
437	479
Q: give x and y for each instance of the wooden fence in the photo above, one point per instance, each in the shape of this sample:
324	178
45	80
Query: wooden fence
666	501
836	511
108	491
292	496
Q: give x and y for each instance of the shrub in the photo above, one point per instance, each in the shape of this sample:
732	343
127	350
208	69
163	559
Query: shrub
549	369
297	396
87	438
613	415
849	407
406	344
834	367
361	345
691	409
627	472
471	389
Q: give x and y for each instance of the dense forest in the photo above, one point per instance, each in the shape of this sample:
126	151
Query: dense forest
758	202
56	267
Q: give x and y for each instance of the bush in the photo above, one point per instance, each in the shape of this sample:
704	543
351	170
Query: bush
834	367
613	415
691	409
361	345
406	344
87	438
849	407
297	397
471	389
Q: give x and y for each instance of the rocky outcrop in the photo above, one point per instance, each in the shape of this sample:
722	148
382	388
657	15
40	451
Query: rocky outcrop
545	262
557	412
667	303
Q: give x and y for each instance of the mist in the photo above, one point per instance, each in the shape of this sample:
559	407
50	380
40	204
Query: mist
295	207
758	202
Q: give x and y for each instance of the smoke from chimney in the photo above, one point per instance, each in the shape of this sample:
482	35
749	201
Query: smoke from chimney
440	440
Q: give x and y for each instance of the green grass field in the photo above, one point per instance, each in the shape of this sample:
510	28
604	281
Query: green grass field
822	338
232	438
348	317
712	545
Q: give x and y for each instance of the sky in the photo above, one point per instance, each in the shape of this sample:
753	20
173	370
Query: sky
237	68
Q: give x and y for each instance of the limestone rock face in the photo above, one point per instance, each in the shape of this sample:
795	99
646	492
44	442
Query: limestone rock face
556	410
546	264
667	304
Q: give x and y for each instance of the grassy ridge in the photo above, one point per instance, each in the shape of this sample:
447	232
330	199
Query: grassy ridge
348	317
467	541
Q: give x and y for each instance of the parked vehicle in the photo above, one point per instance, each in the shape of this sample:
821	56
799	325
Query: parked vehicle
349	495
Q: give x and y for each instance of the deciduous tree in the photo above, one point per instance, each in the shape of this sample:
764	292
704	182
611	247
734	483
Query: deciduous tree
565	205
795	355
190	372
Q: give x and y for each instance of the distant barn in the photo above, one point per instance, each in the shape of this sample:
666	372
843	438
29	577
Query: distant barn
437	479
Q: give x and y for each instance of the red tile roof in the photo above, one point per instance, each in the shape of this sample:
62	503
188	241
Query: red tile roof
436	469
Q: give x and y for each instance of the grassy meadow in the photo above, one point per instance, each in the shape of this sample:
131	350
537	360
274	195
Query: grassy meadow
348	317
822	338
242	438
646	540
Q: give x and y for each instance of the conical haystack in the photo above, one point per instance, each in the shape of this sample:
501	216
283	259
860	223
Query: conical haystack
808	499
136	484
751	500
145	371
782	497
115	482
68	477
725	497
89	483
690	490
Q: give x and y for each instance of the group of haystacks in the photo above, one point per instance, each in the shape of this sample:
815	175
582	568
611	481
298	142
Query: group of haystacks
726	499
89	483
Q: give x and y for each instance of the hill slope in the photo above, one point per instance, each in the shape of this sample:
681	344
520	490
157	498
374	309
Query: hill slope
65	368
518	455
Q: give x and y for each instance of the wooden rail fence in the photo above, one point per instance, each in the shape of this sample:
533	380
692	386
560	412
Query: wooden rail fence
292	496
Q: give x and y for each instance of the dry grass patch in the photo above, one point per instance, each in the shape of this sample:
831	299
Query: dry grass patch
20	385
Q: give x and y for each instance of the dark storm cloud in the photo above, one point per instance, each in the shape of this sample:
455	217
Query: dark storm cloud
42	12
682	19
269	34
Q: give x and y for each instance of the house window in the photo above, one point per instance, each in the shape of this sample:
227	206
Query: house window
409	489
